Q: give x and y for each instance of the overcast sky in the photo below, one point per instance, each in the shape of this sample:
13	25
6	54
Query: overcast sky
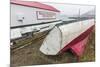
70	9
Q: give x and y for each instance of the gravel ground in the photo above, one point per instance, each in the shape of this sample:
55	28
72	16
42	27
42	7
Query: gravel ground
31	55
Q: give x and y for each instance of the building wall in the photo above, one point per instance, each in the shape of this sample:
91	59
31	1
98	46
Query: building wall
29	14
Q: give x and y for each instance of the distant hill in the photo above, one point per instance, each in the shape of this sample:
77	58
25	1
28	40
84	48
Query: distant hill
87	15
65	18
90	13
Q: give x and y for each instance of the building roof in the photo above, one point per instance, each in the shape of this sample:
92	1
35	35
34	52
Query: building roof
34	4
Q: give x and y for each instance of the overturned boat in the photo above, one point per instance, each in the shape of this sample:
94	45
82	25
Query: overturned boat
63	36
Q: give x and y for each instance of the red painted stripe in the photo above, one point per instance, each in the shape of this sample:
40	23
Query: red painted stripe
78	48
78	39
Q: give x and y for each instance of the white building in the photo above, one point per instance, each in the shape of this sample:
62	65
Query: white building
27	16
